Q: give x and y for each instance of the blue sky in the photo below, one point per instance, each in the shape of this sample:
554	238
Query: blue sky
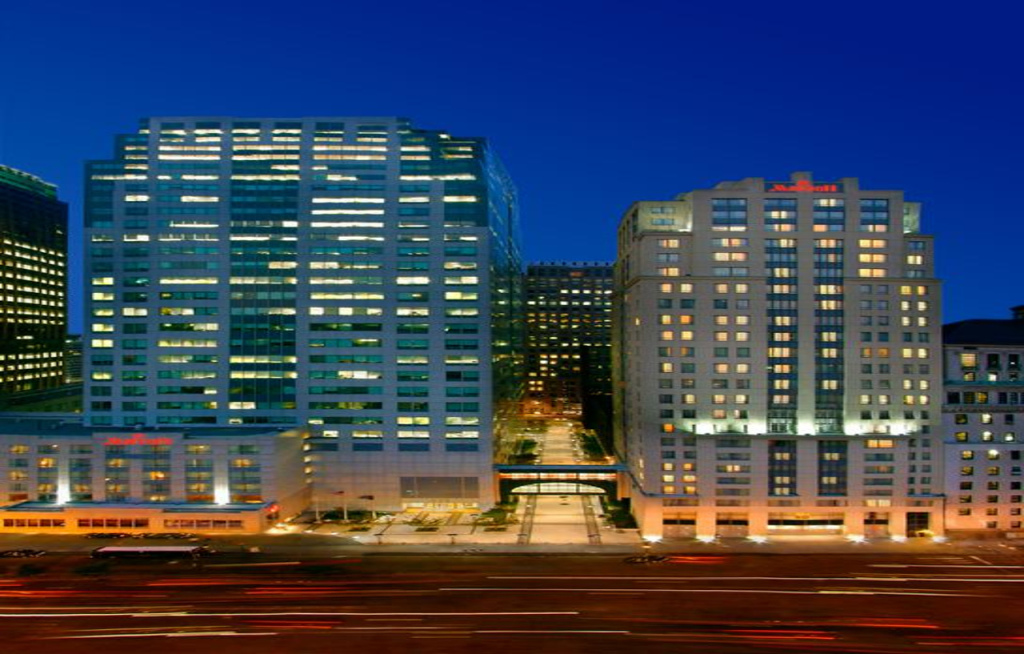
591	105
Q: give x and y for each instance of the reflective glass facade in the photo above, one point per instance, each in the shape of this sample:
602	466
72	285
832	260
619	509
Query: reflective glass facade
353	273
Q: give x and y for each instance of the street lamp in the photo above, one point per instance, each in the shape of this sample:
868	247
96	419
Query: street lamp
344	505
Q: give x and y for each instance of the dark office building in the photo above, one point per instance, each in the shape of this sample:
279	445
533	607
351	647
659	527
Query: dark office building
568	307
33	264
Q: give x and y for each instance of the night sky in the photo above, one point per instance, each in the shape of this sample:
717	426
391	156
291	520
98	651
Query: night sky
591	105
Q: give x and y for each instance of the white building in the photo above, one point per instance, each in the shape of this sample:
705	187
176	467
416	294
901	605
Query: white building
777	357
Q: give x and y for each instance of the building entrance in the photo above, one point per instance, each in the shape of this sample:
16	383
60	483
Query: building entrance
805	524
919	523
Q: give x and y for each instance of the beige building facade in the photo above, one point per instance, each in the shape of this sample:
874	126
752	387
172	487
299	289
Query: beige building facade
777	361
983	414
57	476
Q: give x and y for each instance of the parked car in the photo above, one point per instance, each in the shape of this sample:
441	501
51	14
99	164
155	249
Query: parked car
104	534
21	553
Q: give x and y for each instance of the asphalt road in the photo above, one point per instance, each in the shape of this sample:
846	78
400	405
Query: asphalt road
951	601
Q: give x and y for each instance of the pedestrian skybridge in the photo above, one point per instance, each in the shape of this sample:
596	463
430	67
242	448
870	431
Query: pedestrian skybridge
565	479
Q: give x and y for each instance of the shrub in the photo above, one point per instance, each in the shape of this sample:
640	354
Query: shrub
91	569
30	569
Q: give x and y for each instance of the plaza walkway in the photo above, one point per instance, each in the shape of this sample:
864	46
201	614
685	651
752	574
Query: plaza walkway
556	445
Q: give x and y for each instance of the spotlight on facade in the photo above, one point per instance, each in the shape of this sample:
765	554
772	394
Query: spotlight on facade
899	539
939	539
706	539
856	538
221	494
760	540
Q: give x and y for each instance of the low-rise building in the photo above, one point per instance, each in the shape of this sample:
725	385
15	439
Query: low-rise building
982	418
57	475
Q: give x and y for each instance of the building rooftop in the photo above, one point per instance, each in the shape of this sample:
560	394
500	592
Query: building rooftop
28	424
25	181
986	331
571	264
166	507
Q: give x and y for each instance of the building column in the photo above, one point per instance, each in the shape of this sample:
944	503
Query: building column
757	521
938	519
897	522
706	525
649	516
853	522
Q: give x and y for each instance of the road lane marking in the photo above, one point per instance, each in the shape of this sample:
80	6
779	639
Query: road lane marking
192	614
812	579
391	628
552	631
134	607
250	565
936	565
170	634
686	579
941	558
739	591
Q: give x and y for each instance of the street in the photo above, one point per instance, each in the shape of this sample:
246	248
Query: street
949	601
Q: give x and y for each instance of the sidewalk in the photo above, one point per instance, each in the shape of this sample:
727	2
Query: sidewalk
691	547
614	543
459	529
464	538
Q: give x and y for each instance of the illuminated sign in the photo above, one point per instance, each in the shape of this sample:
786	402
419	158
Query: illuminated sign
803	186
138	439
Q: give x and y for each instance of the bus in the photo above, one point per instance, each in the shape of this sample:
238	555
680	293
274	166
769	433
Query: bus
152	552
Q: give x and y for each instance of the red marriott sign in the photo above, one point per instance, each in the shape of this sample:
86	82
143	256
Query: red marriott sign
137	439
803	186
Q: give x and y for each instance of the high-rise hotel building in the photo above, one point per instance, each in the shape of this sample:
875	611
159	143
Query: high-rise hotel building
33	274
355	274
778	362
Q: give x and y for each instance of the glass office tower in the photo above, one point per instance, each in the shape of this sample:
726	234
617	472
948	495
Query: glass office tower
33	270
355	274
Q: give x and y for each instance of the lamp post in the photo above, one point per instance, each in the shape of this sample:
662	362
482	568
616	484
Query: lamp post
370	498
344	505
